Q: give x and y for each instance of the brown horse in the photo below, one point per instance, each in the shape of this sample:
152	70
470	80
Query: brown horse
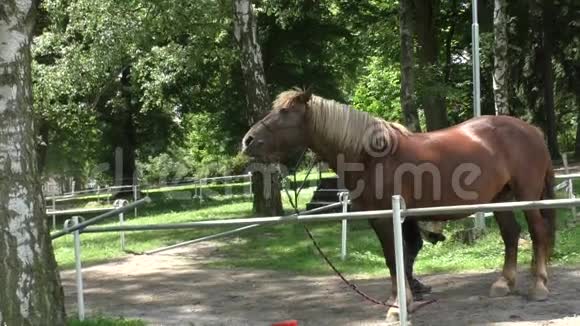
483	160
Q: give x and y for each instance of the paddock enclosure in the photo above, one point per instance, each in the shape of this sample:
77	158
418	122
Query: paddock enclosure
175	288
178	279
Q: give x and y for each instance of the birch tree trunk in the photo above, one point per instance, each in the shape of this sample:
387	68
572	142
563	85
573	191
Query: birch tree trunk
500	49
410	116
30	290
265	180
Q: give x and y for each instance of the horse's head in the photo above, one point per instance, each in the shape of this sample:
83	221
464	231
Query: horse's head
282	131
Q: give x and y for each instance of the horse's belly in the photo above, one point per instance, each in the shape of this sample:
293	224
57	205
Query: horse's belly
443	217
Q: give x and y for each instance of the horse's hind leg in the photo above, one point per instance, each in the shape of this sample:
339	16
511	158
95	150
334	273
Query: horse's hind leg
510	233
539	232
540	240
413	244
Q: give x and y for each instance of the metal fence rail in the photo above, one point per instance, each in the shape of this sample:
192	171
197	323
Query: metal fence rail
234	231
96	219
76	211
361	215
399	213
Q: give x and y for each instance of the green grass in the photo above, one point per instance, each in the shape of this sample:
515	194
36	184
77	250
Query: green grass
170	207
286	247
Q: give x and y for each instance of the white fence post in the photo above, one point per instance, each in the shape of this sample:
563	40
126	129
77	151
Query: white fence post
398	205
343	198
479	217
201	184
78	268
118	204
135	197
53	213
195	182
570	187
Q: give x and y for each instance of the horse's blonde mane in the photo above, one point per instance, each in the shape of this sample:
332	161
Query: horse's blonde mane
348	129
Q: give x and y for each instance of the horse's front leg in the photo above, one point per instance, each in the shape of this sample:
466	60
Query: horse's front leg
384	230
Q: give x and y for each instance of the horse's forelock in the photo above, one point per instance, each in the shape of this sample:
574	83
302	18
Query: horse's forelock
288	98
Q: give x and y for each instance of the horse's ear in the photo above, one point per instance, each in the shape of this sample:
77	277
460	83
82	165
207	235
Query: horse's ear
306	95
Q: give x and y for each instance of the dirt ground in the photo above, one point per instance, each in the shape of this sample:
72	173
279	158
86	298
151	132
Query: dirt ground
173	288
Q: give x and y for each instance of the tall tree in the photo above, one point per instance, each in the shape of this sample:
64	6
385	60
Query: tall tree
30	290
409	109
548	25
136	88
500	50
265	181
433	97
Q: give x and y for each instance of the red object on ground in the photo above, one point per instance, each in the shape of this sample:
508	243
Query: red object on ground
286	323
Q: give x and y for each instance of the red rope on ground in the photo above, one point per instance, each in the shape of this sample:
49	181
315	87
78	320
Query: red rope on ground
338	273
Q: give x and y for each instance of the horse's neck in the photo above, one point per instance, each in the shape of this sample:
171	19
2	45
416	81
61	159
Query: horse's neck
327	139
342	161
329	150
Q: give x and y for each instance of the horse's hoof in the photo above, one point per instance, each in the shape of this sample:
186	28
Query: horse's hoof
393	315
500	288
419	288
539	292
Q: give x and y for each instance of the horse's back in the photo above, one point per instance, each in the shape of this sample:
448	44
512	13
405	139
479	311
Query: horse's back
512	138
503	135
499	151
519	150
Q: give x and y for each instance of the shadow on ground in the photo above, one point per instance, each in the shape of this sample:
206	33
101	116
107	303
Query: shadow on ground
174	289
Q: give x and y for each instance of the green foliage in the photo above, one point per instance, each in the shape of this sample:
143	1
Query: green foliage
205	152
162	169
378	90
182	103
177	65
106	321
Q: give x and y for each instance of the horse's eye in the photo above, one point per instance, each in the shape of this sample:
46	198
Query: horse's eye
284	110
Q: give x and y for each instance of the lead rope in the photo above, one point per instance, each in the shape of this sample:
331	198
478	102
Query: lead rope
351	285
322	254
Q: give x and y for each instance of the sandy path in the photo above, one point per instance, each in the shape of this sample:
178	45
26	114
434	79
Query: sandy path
173	288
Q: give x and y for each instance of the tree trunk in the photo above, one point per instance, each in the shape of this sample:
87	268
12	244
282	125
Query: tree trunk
577	145
267	198
453	19
125	142
30	289
548	17
433	99
42	144
500	49
410	116
576	88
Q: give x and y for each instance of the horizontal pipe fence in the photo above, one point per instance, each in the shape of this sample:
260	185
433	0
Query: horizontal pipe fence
398	215
360	215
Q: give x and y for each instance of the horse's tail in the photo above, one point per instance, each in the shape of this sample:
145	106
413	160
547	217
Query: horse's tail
549	214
